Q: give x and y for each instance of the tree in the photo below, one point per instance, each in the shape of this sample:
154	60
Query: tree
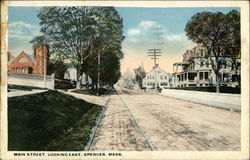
128	79
107	45
57	66
75	32
232	43
212	31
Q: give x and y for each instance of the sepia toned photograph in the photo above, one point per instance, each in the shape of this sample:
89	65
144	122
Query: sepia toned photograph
110	80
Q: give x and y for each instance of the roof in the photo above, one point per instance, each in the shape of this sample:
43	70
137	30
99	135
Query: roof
17	63
159	69
181	63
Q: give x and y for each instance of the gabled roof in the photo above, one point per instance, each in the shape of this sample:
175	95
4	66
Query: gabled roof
159	69
17	63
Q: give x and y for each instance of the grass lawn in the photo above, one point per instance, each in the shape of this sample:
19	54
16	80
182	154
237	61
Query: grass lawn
20	87
49	121
101	91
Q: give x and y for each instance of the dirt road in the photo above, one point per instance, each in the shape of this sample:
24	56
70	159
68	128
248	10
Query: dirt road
170	124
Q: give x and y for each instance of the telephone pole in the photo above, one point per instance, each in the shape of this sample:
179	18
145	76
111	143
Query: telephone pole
99	70
154	54
45	56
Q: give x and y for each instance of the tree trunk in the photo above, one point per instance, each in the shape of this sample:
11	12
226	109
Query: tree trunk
96	86
78	82
237	79
217	83
87	82
92	85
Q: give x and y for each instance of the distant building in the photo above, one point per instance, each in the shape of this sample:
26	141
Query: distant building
196	70
139	75
23	64
156	75
71	74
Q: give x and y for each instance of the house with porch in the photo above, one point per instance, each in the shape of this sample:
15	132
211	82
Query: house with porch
196	70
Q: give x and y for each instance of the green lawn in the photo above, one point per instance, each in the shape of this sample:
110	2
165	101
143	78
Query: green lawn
49	121
101	91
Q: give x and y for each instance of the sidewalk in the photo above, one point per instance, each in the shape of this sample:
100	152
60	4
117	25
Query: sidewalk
219	100
21	92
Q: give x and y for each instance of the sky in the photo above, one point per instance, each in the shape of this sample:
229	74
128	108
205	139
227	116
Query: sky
144	28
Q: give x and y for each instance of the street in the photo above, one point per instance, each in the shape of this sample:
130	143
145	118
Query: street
169	124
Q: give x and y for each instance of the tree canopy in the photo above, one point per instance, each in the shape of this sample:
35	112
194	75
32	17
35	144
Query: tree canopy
219	33
79	34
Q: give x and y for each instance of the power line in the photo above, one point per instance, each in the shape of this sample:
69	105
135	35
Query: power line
154	54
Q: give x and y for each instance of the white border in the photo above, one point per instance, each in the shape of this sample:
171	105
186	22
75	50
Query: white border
243	154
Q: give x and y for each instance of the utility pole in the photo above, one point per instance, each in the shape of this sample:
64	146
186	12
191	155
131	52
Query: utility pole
44	65
45	56
98	68
154	53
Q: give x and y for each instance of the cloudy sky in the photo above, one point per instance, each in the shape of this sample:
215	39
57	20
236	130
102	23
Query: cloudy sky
144	28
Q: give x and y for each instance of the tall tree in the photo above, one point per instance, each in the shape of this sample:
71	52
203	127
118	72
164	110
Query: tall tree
107	45
232	44
211	30
75	32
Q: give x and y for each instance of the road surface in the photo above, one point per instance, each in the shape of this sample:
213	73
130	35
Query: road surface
169	124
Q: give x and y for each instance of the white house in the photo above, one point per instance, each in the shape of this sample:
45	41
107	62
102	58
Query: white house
158	76
71	74
196	70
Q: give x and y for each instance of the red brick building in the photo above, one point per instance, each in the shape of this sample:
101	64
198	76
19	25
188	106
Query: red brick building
24	65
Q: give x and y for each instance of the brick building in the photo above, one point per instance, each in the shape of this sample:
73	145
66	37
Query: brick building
23	64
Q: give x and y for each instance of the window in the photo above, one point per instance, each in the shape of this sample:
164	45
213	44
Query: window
202	63
164	84
201	75
206	75
23	60
150	83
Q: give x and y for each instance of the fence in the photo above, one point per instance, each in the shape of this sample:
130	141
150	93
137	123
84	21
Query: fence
32	80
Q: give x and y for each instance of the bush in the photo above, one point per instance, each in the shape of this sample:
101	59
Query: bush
64	84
